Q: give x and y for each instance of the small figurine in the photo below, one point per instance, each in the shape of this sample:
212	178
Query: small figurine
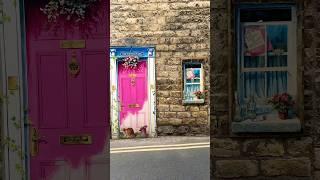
251	109
143	131
129	133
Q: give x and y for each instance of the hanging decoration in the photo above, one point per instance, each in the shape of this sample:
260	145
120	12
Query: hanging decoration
255	41
190	74
131	62
70	10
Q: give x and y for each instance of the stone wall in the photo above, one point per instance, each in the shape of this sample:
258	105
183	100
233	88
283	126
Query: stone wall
179	29
276	156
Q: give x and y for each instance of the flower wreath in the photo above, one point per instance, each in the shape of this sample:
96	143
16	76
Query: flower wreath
131	62
70	9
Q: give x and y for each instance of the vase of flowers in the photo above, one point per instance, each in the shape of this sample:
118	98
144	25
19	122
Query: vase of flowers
200	94
131	62
282	103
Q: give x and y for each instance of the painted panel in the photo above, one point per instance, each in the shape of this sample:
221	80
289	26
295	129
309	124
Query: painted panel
95	88
46	169
53	94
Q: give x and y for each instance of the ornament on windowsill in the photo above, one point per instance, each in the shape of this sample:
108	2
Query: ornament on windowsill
131	62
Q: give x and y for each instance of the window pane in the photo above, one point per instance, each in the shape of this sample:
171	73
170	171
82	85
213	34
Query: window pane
193	75
254	41
277	38
190	89
256	14
276	82
252	62
254	84
277	61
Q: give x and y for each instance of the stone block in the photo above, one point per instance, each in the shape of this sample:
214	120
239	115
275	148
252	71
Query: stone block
166	130
183	114
182	130
170	114
236	168
286	167
263	147
162	107
300	147
316	163
224	147
177	108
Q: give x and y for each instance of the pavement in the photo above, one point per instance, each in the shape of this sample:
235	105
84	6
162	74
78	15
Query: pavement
162	158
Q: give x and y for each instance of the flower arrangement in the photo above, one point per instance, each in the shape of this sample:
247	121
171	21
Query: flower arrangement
70	9
282	103
131	62
200	94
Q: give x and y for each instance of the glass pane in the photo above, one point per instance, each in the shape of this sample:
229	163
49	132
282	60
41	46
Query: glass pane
277	39
254	84
254	41
189	91
276	82
252	62
277	61
193	75
264	14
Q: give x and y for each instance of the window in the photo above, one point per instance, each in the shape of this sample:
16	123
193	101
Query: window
266	66
267	59
193	82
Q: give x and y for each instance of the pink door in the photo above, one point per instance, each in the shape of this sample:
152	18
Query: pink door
69	109
133	96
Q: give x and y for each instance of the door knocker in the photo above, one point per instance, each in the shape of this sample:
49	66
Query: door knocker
74	67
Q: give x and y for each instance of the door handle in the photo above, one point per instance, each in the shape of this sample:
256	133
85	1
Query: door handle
35	140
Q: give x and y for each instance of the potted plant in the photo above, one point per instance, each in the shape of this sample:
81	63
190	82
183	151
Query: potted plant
282	103
200	94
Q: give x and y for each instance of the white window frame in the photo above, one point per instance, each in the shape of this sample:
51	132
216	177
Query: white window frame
201	83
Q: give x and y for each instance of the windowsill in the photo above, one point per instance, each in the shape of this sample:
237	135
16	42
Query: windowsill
272	124
196	101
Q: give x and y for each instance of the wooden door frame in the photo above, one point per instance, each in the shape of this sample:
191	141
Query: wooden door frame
115	115
13	63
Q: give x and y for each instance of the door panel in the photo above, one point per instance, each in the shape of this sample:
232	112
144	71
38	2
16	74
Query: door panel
52	90
62	105
46	169
133	95
94	87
